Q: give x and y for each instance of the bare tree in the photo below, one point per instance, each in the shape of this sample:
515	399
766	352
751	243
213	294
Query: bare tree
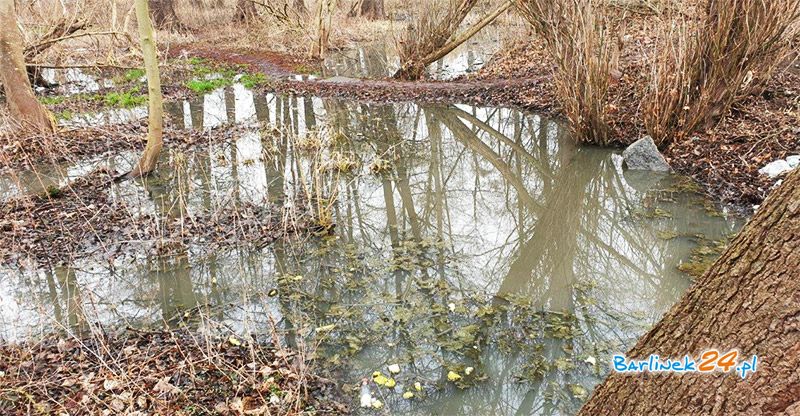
22	103
371	9
155	118
432	37
324	13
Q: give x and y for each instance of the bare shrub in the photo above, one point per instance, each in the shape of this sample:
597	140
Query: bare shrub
430	29
699	74
578	38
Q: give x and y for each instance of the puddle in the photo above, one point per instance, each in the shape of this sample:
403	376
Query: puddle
464	237
380	60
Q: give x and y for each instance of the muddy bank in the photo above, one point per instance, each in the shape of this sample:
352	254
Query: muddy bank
161	372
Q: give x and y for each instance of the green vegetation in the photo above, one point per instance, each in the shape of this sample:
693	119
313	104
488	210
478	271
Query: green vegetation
126	99
52	99
134	74
64	115
202	86
253	80
207	77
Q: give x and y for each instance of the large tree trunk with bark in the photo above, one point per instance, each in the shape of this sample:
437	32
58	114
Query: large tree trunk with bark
163	13
22	103
749	301
155	118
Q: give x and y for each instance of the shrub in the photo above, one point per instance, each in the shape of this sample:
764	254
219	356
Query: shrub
578	38
697	75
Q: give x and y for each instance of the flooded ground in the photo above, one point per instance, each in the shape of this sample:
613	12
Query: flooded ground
479	249
380	60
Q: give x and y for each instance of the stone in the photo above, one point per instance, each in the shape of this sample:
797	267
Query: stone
794	161
644	155
775	168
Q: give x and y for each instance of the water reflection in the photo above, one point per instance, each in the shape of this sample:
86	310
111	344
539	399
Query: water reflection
464	236
380	60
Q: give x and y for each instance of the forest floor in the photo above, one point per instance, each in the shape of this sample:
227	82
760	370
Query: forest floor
177	372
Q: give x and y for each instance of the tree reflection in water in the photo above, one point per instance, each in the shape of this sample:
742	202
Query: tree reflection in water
488	240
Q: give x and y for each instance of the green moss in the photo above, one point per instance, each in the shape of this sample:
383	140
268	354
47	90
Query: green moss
53	191
65	115
703	256
667	234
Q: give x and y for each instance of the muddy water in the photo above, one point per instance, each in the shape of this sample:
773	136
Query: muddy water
464	237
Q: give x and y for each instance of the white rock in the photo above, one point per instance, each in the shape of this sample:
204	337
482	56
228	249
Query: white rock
793	161
775	168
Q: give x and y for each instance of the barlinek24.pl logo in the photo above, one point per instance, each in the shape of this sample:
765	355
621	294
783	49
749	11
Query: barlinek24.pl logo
709	361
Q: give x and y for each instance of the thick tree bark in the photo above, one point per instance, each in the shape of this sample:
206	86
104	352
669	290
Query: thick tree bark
163	13
245	11
750	301
155	118
22	103
373	9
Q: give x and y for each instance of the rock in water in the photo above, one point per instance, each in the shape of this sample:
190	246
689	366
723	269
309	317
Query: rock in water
644	155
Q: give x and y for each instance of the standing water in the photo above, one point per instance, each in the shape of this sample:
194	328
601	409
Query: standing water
479	250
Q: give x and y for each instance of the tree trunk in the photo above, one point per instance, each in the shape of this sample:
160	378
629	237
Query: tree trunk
163	13
750	301
373	9
22	103
245	11
324	14
155	117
